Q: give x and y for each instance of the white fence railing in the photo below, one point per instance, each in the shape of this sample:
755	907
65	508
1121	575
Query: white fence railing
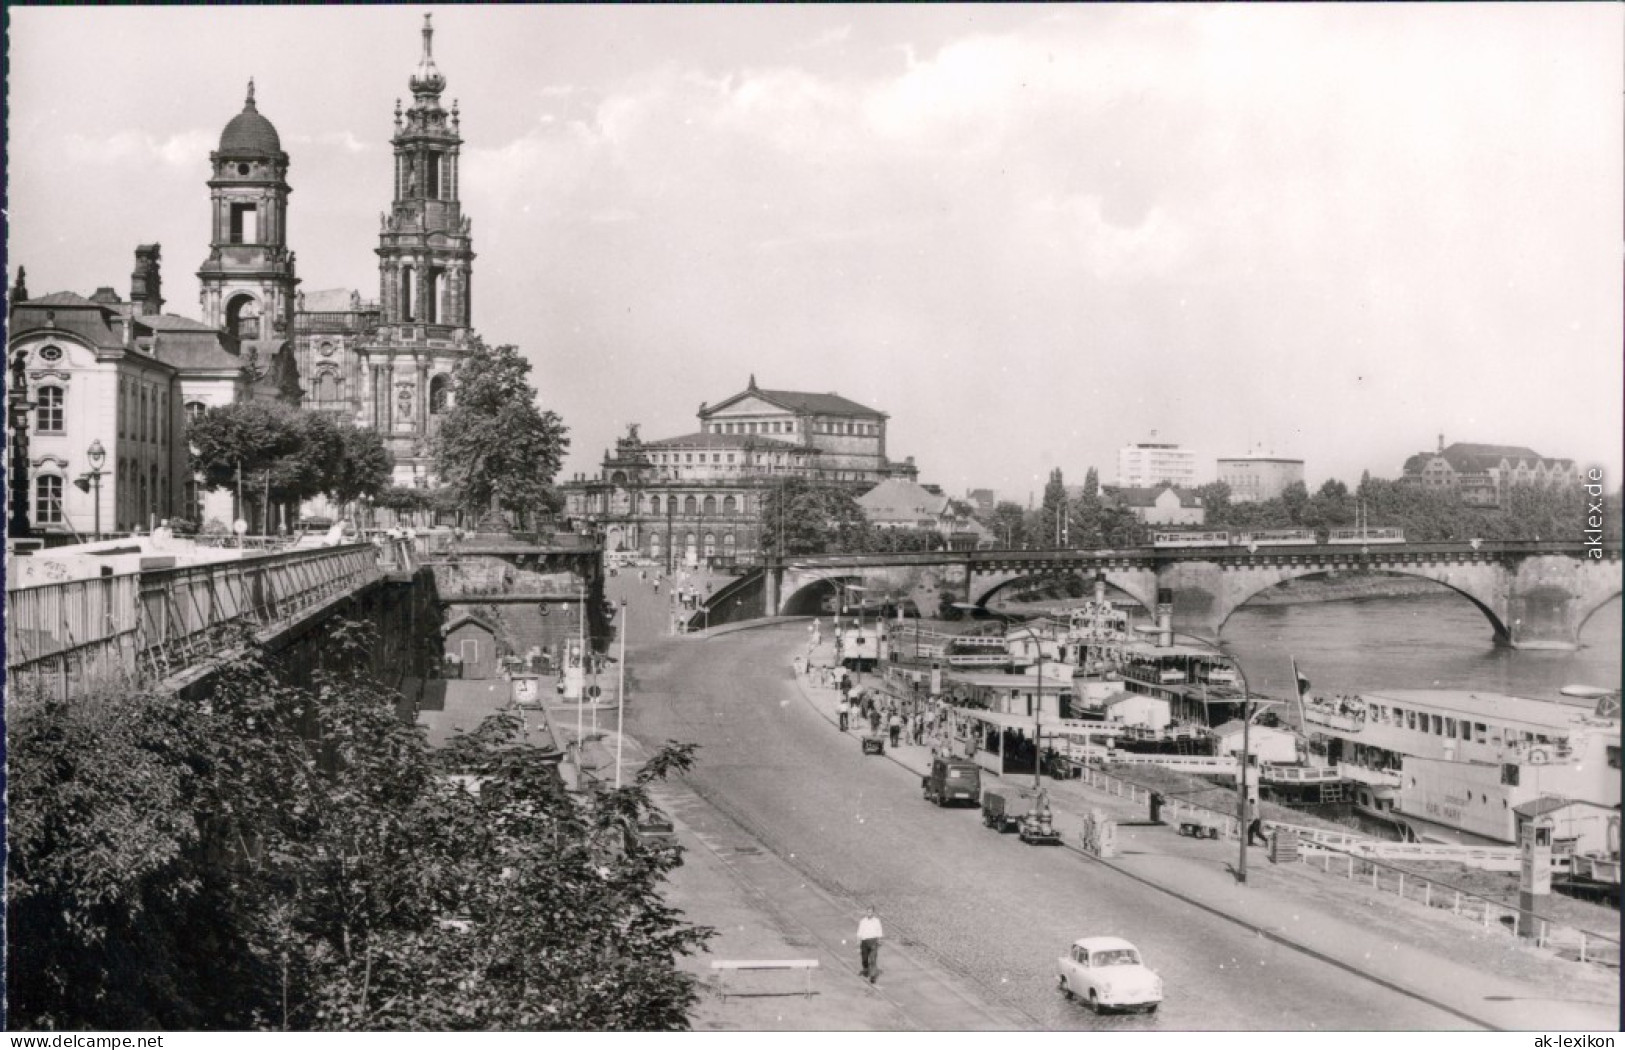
1585	945
1183	763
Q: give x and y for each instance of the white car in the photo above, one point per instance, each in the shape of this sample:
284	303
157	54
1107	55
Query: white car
1106	972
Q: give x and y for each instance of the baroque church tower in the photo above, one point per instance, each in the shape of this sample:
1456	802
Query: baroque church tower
425	261
248	281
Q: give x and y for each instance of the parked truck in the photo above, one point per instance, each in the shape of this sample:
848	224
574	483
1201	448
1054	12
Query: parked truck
1026	814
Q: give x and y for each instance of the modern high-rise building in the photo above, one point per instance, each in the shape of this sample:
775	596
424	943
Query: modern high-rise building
1147	464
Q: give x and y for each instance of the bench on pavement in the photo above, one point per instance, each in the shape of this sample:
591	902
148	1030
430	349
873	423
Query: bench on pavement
726	966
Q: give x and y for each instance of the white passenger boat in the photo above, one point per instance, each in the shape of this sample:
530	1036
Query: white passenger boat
1451	763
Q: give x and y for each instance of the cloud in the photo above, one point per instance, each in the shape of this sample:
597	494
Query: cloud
835	35
178	150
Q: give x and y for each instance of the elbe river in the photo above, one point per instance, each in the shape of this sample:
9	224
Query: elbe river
1420	642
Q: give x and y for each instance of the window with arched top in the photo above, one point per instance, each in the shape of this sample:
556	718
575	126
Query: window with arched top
654	504
710	506
689	543
51	402
243	317
710	545
409	293
48	500
654	545
728	547
439	394
195	410
690	505
327	386
729	505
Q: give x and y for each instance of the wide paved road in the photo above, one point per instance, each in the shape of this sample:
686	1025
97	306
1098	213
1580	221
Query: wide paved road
990	909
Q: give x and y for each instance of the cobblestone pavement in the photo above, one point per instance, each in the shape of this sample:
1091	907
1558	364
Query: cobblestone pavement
989	913
1508	984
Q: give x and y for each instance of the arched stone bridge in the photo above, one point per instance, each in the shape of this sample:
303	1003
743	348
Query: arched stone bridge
1536	595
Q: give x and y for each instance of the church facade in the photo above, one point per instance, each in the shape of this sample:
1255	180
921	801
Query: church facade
698	497
386	364
102	388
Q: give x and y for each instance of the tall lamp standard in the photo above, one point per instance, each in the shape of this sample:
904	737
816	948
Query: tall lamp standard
1248	704
92	480
1038	706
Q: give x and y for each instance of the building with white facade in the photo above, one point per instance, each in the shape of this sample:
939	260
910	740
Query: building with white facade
1146	464
1254	479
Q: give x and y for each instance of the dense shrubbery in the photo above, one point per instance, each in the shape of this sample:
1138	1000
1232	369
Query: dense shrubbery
288	859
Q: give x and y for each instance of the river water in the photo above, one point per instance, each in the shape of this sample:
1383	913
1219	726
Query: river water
1421	642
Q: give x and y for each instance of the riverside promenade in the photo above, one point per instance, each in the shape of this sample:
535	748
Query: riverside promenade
1484	976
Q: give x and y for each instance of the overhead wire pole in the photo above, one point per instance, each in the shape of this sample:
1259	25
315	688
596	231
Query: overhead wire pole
620	698
581	656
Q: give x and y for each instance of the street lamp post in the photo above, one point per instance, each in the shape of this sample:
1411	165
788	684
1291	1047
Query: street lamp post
91	480
1247	705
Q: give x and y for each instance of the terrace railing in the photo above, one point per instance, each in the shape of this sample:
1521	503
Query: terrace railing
67	639
183	610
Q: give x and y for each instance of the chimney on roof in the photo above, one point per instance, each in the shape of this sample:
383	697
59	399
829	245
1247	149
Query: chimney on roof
146	283
1441	442
105	296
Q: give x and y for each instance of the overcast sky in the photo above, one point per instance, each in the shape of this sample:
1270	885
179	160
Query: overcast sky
1030	234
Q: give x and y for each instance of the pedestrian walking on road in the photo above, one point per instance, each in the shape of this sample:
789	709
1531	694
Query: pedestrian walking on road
1255	829
842	711
894	725
869	937
874	720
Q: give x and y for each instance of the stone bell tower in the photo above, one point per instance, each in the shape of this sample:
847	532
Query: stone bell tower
248	280
425	262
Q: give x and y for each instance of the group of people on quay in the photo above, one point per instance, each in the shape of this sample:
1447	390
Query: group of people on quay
924	720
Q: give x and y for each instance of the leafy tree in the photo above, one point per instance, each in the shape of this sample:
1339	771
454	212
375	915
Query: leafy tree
494	444
248	435
1084	524
1294	500
1052	521
296	858
365	465
1216	505
1120	528
291	455
1008	524
811	517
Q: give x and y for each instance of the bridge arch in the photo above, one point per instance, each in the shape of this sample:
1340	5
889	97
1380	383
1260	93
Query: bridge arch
1587	613
809	597
1117	591
1209	608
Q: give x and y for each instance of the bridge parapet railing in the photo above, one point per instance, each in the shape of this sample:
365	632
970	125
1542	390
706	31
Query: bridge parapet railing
183	609
1561	938
62	638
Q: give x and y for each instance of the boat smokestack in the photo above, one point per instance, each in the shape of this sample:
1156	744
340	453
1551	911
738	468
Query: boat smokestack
1165	618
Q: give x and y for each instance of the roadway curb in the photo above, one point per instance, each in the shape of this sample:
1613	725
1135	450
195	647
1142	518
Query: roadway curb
1237	920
